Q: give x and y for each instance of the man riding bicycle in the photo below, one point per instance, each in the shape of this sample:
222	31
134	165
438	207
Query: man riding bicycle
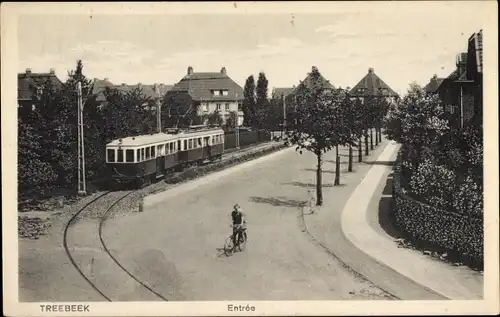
239	222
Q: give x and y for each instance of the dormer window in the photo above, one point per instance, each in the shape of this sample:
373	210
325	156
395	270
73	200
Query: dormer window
220	92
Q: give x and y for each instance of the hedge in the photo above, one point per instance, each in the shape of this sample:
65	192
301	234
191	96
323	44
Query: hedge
461	235
217	166
246	138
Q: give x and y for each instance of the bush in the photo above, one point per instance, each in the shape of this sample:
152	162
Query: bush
433	183
421	223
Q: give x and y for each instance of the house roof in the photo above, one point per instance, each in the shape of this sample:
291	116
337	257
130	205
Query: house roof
200	85
433	84
28	82
370	86
100	86
308	82
278	92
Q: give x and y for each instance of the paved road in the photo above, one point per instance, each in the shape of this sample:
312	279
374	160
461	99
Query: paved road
46	274
173	245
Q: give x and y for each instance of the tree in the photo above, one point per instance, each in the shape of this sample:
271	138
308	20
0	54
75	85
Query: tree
314	124
354	114
249	101
262	102
215	118
231	121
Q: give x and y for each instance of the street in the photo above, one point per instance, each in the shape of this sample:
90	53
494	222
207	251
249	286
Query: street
179	238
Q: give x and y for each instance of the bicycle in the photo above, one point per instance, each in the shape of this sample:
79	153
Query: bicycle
241	241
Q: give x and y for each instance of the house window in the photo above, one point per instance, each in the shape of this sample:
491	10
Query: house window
227	106
216	92
205	107
218	107
129	156
225	92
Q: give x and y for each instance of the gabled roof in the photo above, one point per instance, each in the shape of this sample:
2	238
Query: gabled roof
200	86
28	82
370	85
433	84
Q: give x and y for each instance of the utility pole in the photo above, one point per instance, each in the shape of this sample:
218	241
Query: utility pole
284	116
158	108
81	146
237	123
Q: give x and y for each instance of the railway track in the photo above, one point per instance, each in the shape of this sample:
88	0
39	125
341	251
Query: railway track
102	217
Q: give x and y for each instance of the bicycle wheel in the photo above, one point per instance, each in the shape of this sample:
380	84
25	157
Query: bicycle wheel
242	241
228	246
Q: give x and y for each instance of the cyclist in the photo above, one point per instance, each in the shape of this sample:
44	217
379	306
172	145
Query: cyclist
239	222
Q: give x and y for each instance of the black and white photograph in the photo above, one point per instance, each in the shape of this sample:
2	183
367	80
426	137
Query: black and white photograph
250	158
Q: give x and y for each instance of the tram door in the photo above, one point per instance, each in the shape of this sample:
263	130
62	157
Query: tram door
207	149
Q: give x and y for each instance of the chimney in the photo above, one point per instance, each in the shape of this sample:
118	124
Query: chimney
223	71
28	71
139	85
461	62
106	79
123	84
190	70
370	70
52	71
435	77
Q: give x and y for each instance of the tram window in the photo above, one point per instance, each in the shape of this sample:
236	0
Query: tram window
138	155
111	155
171	147
143	157
120	156
199	141
129	156
185	145
190	144
153	152
147	153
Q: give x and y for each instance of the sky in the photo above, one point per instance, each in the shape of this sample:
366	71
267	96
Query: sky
403	43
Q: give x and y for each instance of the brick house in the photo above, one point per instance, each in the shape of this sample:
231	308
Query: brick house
30	87
210	92
462	91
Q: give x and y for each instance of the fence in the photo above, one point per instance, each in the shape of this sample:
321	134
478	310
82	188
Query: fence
427	225
246	138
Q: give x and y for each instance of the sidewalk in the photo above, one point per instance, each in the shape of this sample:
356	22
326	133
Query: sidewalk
325	227
448	281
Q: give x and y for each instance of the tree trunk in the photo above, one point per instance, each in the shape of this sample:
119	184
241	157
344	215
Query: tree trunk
376	135
366	143
360	150
337	166
319	173
371	138
380	133
349	166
